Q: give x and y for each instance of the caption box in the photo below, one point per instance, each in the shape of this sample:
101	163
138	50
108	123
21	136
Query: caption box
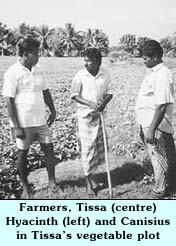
87	221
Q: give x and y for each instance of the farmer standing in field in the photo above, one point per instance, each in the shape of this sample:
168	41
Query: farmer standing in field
27	92
90	91
154	111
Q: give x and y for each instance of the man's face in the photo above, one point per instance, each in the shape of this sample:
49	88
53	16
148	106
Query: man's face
91	64
33	56
150	61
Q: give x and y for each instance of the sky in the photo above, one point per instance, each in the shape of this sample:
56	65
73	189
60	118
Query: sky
155	19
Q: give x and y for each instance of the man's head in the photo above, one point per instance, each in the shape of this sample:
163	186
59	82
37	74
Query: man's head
29	51
92	58
152	53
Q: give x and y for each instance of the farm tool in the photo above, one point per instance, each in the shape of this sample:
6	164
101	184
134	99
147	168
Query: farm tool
106	155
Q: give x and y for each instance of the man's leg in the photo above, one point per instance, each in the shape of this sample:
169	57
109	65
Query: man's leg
43	136
160	163
90	186
158	157
23	147
50	163
22	169
97	158
171	159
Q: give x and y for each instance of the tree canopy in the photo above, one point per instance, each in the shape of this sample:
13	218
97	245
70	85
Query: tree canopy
67	41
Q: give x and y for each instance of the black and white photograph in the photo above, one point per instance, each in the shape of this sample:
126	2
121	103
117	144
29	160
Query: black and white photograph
87	99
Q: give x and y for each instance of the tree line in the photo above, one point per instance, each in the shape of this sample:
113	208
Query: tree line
67	41
57	41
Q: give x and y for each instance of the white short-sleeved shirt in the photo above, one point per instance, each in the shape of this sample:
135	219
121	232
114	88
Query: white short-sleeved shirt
156	89
26	87
92	88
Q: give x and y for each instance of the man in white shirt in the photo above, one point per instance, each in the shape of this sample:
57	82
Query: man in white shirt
27	93
90	91
154	111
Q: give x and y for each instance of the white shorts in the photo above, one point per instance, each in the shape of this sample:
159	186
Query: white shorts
42	134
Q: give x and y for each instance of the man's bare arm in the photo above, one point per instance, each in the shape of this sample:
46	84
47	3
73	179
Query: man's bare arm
14	117
83	101
158	117
49	102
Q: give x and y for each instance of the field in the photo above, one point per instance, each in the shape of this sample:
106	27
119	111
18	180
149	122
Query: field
131	171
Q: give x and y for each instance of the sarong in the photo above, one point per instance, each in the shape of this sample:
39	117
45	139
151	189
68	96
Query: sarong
163	157
92	143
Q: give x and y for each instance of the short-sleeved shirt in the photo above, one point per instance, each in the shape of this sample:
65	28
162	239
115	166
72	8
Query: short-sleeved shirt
156	89
26	88
89	87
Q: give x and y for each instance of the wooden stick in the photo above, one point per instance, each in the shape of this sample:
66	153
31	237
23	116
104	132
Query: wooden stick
106	155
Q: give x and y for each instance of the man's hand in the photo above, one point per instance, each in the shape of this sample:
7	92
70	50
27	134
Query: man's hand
141	134
150	136
102	105
157	119
19	132
94	106
51	118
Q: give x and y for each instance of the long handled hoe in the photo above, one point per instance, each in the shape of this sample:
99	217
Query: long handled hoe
106	156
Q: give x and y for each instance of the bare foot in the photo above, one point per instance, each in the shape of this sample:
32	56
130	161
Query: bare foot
95	185
53	187
89	189
25	194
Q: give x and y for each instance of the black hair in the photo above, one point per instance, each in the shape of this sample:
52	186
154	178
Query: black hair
93	53
152	48
27	45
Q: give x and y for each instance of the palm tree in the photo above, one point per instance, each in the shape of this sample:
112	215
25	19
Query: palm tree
172	45
96	38
6	45
169	45
55	42
20	33
128	43
70	40
89	38
42	33
3	29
